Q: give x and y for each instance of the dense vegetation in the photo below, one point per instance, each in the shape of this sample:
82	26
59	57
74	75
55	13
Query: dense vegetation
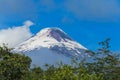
104	65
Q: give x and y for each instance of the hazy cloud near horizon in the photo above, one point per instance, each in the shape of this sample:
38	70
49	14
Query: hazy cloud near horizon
15	35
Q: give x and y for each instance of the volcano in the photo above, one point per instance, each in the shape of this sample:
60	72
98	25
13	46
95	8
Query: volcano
50	46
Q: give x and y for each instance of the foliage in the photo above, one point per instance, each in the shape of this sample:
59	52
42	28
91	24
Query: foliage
13	66
105	62
104	66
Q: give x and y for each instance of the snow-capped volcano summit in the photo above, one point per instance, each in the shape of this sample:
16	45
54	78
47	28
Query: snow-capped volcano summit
51	45
55	33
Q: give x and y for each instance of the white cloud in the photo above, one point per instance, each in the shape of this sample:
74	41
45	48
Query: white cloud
15	35
28	23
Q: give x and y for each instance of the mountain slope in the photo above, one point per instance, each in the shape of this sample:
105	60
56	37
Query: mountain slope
51	45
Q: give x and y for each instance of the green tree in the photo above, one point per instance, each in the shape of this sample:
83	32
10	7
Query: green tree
105	62
13	66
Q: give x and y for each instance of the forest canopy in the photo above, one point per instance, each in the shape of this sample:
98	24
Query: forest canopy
105	66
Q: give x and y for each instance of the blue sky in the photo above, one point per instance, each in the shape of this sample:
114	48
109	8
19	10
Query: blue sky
86	21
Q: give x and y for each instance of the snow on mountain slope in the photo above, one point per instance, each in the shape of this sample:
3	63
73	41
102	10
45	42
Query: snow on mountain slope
51	45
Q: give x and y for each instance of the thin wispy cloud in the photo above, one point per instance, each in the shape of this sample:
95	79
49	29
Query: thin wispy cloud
47	5
81	9
15	35
17	10
16	6
94	9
